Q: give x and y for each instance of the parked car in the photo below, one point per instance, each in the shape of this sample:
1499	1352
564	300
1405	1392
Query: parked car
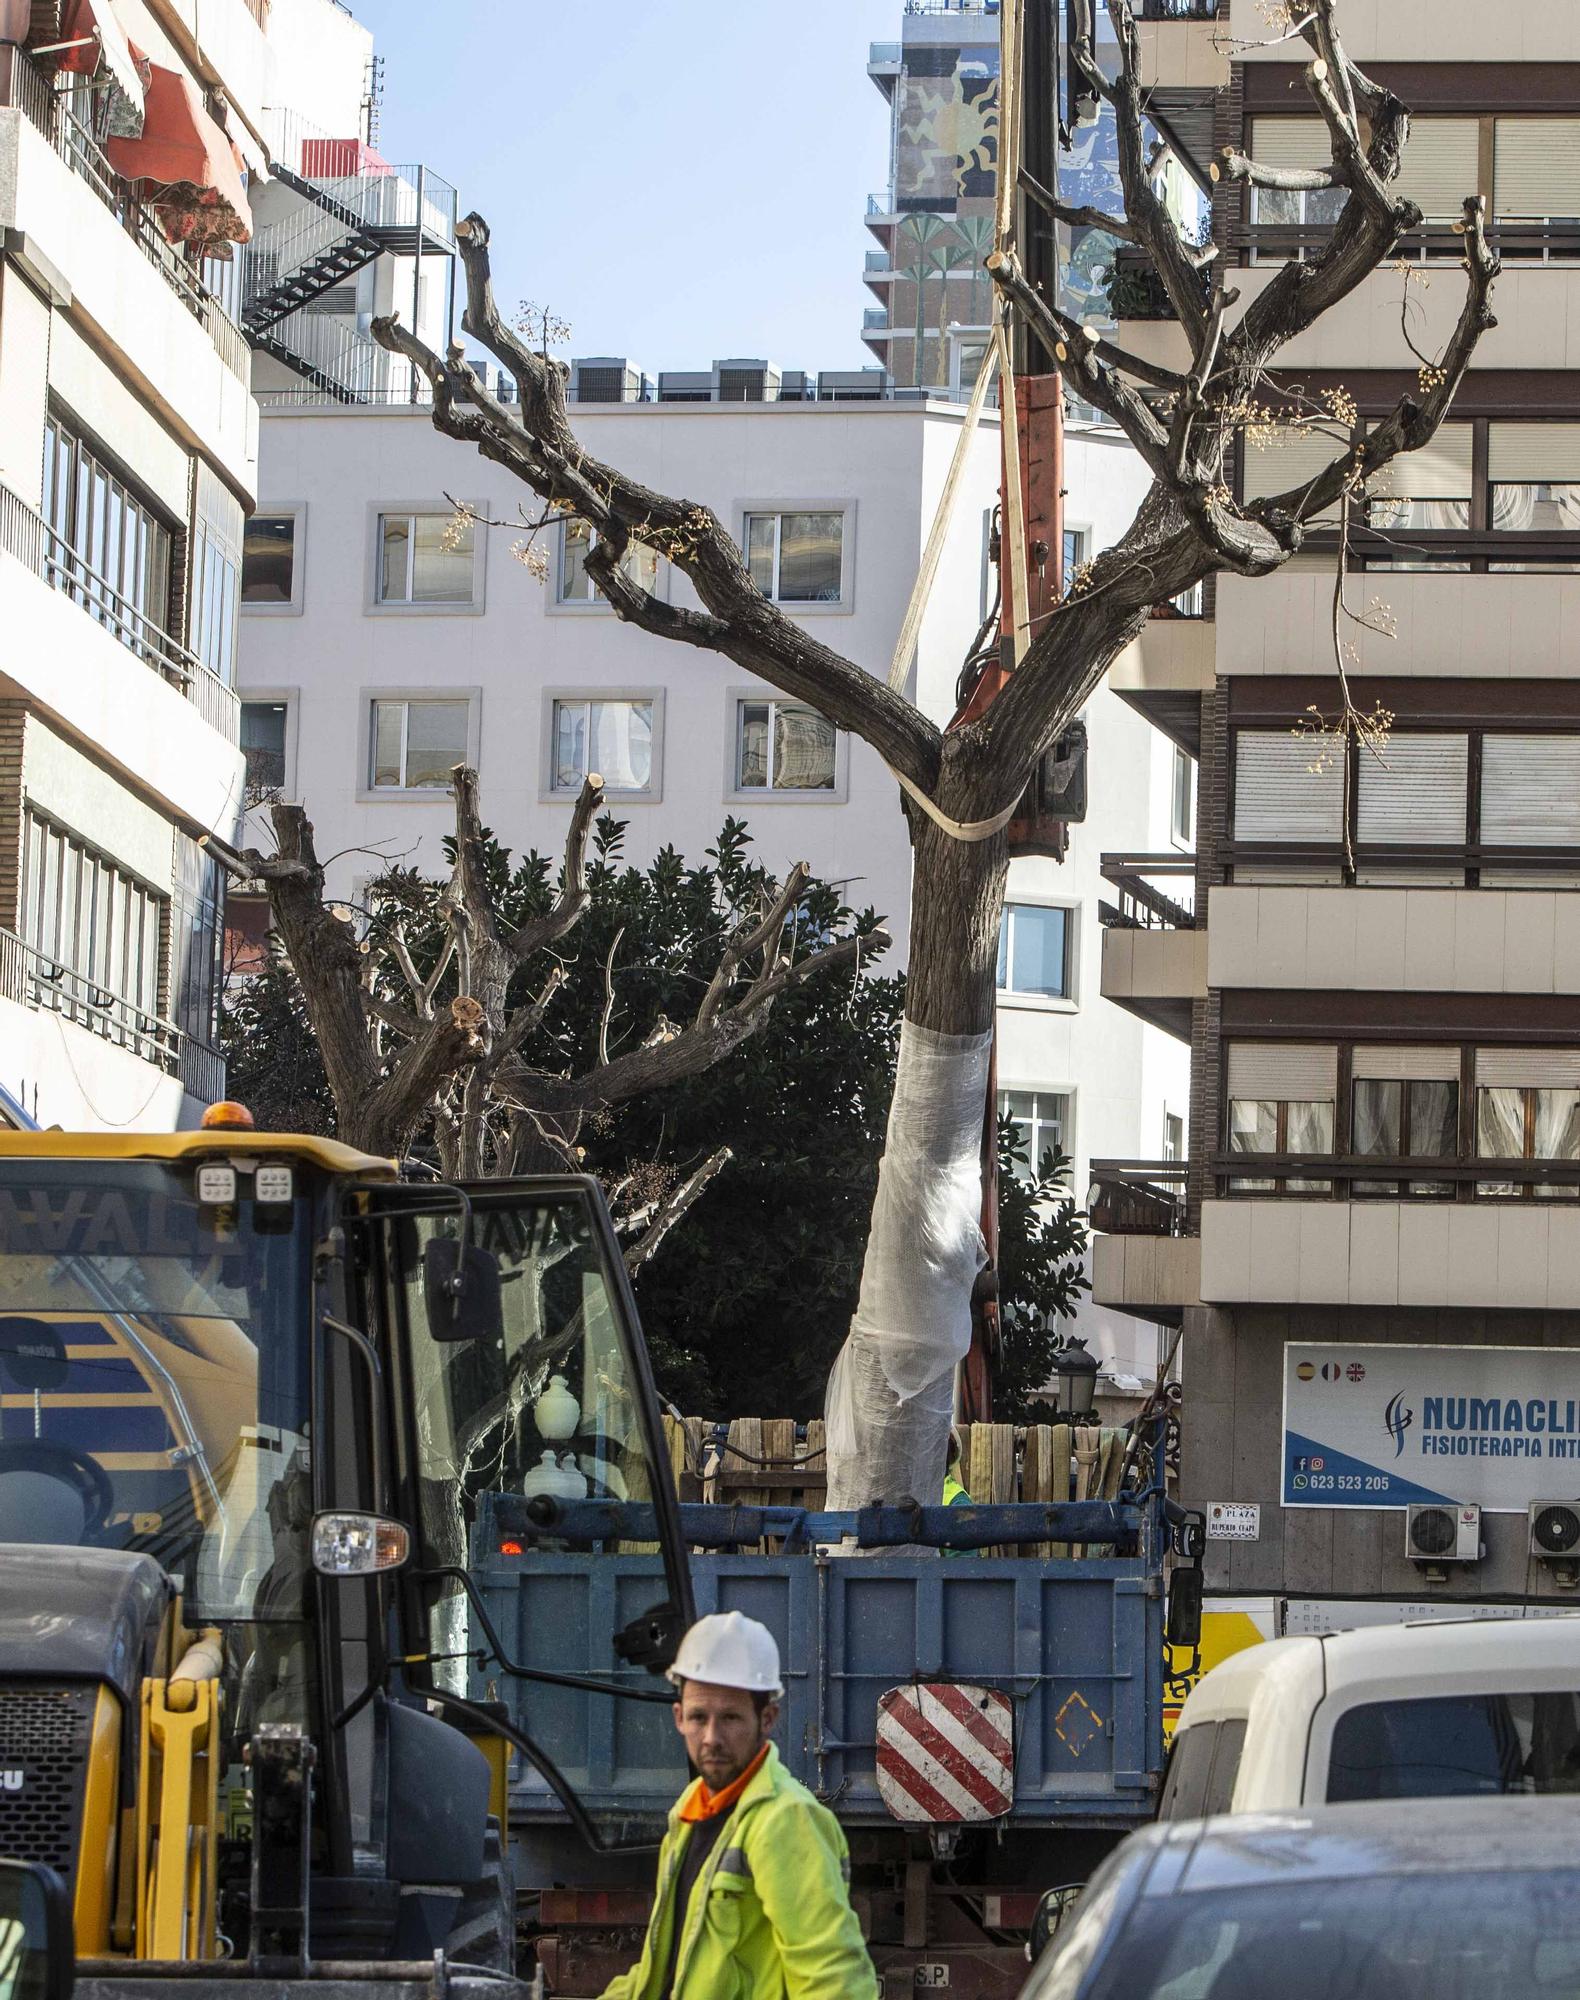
1437	1709
1397	1901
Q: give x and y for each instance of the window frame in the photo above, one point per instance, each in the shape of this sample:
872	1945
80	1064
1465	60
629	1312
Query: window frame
367	792
594	603
291	698
551	699
375	605
1048	1003
1182	760
296	512
845	507
1005	1087
765	795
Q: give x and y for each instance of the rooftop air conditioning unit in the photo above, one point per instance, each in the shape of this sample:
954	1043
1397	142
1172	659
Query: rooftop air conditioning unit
1555	1538
607	378
745	381
1438	1531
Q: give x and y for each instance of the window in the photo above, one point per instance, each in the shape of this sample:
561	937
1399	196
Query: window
1446	1746
263	732
797	558
639	563
1173	1136
1074	552
1182	814
1288	461
783	746
1414	794
1429	488
197	934
1534	471
415	745
1281	1100
1404	1104
268	560
1530	791
1279	795
1536	175
426	559
116	558
1527	1108
1295	142
614	737
1042	1125
1034	951
85	914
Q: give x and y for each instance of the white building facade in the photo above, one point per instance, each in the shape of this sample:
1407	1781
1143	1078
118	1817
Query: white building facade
138	143
376	654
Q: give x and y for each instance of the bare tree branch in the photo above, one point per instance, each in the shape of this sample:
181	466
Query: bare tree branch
673	1208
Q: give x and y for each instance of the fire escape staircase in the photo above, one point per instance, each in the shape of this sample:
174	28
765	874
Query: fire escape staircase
281	283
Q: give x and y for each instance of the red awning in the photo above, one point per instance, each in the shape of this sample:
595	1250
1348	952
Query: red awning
99	42
190	166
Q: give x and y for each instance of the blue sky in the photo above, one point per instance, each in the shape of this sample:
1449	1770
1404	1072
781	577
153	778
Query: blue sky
680	180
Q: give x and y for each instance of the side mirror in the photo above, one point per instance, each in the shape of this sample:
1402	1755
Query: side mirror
461	1291
1183	1625
1054	1907
38	1955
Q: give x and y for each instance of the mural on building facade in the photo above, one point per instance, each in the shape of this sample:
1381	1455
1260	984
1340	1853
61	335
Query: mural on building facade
946	144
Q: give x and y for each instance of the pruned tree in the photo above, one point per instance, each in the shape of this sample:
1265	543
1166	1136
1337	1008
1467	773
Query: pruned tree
962	783
427	1011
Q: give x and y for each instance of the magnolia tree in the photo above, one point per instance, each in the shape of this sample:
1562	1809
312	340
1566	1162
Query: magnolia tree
891	1392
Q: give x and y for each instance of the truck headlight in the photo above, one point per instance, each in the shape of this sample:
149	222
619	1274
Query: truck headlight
358	1544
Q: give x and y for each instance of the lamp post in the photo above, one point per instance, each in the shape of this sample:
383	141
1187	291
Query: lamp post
1076	1368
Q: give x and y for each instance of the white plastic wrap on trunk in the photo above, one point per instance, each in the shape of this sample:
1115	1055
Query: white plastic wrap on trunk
891	1391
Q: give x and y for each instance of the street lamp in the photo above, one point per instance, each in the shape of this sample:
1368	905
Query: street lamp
1077	1372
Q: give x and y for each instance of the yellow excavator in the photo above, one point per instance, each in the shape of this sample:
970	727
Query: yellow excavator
251	1387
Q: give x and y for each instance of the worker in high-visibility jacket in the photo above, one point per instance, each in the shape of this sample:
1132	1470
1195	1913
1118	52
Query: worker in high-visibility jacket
955	1494
753	1894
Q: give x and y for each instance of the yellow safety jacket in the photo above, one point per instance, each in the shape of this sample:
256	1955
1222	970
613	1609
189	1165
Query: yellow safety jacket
769	1917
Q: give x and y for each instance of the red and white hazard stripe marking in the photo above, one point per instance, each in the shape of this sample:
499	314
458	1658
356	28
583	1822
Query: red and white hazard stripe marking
946	1753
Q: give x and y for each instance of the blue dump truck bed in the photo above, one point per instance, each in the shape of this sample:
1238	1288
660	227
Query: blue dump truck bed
1076	1644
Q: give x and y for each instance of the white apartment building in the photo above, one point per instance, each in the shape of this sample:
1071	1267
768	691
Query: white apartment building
142	144
374	657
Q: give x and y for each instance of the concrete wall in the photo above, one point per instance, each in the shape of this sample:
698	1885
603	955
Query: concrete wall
1394	940
65	1076
1231	1447
24	384
1439	31
1484	627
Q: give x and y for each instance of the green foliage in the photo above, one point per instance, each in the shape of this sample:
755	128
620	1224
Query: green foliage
1042	1238
749	1297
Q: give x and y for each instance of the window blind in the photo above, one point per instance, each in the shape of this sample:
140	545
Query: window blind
1291	461
1530	791
1416	792
1440	165
1536	167
1440	470
1294	142
1278	796
1291	1072
1533	452
1528	1069
1407	1065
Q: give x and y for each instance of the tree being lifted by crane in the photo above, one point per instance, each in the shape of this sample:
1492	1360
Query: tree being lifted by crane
962	784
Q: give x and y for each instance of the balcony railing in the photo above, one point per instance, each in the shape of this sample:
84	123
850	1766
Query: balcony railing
33	979
25	534
878	262
875	320
1521	239
1175	10
1138	1197
27	88
883	55
202	1071
1445	864
1367	1176
1142	905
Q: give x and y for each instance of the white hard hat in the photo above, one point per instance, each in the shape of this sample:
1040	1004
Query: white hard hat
728	1649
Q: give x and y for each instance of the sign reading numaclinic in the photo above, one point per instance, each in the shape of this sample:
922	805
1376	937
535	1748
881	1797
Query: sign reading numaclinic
1382	1426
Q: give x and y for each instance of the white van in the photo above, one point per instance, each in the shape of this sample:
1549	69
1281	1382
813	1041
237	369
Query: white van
1431	1710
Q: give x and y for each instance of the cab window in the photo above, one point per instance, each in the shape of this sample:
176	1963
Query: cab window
1202	1769
1448	1746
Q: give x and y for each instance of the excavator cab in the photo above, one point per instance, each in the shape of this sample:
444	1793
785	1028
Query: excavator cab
253	1390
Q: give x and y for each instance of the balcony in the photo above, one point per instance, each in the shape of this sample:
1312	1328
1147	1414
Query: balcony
1184	60
1481	1256
1154	956
29	537
875	319
28	90
1455	31
1142	1260
1448	623
1165	673
31	979
1404	940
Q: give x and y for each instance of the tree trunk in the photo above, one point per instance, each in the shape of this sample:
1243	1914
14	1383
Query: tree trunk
891	1392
